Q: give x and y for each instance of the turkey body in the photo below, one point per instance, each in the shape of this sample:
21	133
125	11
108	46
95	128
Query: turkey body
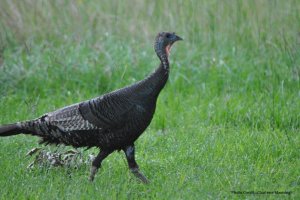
110	122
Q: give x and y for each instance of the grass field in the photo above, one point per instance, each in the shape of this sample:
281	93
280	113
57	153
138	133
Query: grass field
228	119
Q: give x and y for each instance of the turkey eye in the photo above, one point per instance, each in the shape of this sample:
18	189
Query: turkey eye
168	35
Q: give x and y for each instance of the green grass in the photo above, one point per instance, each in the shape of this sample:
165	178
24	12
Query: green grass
228	119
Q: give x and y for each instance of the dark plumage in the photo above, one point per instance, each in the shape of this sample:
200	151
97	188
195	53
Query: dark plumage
110	122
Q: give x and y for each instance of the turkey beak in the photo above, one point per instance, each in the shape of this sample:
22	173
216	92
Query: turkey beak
178	38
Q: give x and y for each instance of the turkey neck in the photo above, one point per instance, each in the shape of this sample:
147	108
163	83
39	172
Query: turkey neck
156	81
160	76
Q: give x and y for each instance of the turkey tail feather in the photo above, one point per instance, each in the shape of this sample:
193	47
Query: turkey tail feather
9	129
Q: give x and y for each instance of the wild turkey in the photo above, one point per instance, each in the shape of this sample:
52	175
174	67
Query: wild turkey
110	122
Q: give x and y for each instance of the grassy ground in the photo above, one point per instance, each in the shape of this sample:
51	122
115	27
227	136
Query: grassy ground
228	119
